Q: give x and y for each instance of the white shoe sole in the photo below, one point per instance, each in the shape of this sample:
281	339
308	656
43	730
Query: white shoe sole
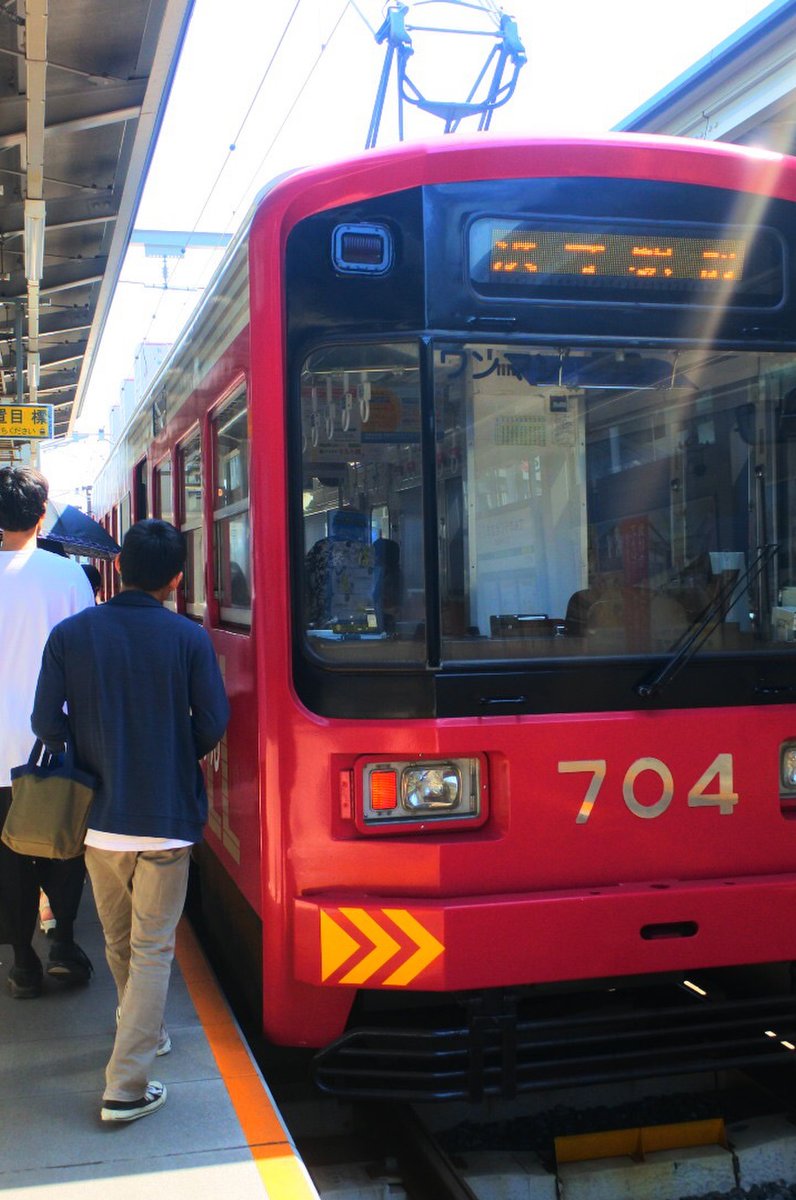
133	1114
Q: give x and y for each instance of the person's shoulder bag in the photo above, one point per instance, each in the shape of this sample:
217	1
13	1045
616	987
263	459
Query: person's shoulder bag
51	798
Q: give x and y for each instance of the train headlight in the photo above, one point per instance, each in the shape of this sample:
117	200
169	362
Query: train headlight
403	793
431	789
787	766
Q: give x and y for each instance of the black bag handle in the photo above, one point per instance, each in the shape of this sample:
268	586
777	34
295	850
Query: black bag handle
41	756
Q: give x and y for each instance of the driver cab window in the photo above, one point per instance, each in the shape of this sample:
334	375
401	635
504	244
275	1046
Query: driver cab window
363	587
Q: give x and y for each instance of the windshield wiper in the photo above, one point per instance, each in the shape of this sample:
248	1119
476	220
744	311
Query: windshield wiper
690	642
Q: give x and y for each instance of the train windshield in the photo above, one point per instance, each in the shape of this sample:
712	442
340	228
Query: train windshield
601	501
588	502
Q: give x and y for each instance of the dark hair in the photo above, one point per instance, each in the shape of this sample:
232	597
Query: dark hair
23	498
153	552
93	576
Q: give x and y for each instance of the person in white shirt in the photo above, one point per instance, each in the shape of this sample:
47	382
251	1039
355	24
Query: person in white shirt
37	590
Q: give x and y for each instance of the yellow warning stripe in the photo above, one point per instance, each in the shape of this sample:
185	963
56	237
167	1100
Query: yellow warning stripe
428	948
282	1172
636	1143
384	946
338	946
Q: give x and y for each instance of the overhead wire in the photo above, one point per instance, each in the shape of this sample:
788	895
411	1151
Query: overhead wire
288	114
490	6
260	85
360	13
229	153
167	288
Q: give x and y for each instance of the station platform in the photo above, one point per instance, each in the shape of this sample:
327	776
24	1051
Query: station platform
219	1133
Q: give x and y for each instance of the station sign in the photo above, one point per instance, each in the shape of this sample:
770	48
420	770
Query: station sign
25	421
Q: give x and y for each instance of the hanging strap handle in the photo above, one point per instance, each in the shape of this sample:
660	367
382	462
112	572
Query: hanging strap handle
40	756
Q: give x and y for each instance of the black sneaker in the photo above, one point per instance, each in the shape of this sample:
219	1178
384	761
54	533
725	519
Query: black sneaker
25	983
130	1110
68	963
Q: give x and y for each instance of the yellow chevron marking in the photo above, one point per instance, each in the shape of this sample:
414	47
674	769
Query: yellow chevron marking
428	948
384	946
336	946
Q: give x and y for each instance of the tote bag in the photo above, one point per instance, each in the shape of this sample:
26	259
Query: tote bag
50	803
7	929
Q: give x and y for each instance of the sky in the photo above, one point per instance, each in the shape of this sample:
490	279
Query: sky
278	84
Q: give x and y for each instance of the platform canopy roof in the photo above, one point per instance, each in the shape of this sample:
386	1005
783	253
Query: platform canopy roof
743	91
83	89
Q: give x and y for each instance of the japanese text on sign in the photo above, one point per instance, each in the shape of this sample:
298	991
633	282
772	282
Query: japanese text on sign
26	420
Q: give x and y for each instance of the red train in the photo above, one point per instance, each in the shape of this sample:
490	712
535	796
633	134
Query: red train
485	454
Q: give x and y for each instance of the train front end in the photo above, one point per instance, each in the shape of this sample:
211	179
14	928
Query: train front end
529	752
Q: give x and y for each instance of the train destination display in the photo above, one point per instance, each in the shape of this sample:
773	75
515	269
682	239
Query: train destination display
526	256
560	252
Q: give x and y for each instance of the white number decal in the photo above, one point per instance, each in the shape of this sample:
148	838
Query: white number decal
665	799
724	799
597	768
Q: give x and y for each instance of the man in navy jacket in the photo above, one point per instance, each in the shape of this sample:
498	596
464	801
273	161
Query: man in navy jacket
145	702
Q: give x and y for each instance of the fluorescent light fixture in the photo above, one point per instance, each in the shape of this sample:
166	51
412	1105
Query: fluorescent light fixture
34	240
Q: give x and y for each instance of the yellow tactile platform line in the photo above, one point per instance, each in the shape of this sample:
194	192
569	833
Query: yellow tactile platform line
281	1170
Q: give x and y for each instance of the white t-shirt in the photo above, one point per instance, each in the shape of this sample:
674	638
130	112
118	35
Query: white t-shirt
120	842
37	590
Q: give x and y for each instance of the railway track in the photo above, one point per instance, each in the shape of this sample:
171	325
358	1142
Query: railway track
731	1138
379	1150
396	1156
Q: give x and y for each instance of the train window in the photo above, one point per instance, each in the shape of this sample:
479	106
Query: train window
140	498
597	502
362	504
113	582
191	525
113	530
231	531
163	501
379	522
164	491
125	516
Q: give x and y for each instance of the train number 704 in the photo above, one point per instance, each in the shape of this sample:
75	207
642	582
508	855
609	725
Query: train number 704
725	798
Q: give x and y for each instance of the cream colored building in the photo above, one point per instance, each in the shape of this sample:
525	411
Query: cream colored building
743	91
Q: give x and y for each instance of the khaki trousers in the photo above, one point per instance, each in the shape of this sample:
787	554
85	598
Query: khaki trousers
140	898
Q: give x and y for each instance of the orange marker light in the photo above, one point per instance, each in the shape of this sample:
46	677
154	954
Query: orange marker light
383	790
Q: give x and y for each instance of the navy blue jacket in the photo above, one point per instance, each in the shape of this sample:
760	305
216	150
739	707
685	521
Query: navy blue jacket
145	702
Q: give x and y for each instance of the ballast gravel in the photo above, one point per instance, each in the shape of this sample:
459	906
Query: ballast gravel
537	1131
